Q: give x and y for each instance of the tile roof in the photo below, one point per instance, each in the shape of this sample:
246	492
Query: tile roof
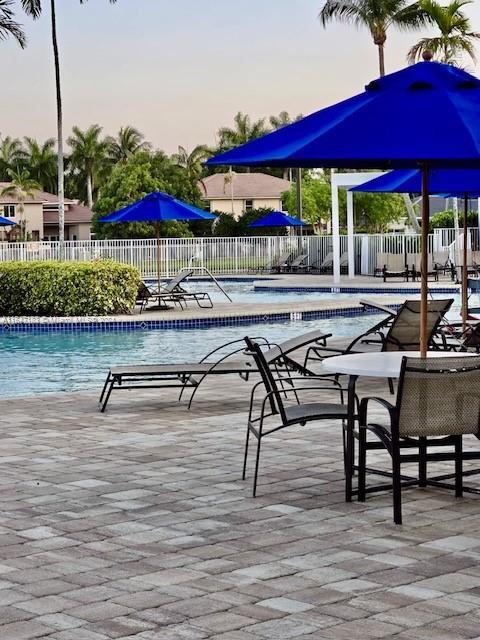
74	213
38	196
245	185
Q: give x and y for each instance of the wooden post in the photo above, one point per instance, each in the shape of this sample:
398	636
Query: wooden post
465	264
424	261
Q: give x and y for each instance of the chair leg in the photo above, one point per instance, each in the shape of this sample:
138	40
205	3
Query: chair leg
397	486
458	467
257	461
422	462
362	462
246	454
390	386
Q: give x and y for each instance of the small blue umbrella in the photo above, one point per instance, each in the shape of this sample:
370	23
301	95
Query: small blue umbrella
449	183
277	219
426	115
158	207
5	222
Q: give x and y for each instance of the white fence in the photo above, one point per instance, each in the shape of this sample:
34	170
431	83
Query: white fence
223	256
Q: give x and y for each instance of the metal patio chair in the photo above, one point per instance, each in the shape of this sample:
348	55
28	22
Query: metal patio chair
438	402
276	412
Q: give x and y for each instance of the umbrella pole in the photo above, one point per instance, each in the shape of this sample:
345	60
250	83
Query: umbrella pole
158	256
464	265
424	261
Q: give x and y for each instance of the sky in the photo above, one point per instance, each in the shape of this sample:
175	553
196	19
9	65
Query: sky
179	70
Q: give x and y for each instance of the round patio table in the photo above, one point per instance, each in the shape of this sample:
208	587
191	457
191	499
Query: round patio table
380	364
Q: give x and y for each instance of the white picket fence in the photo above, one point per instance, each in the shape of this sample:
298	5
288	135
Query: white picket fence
223	256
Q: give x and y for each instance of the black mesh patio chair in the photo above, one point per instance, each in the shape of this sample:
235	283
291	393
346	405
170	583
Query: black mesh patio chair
277	411
400	332
438	402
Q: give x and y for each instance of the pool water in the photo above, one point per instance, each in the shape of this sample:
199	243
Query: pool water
50	362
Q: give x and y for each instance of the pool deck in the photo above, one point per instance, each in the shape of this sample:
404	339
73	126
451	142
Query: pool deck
393	293
135	525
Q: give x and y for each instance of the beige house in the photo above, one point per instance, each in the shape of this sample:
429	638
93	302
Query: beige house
41	217
236	193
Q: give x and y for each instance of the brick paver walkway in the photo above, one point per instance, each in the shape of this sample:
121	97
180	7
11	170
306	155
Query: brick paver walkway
135	524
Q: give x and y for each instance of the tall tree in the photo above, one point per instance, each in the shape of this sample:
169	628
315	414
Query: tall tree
41	161
21	187
283	119
88	154
8	26
192	161
34	9
377	16
243	130
456	38
125	144
12	156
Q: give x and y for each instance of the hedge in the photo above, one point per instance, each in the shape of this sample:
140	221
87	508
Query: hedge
67	288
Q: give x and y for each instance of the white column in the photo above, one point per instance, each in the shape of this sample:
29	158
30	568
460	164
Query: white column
350	245
335	230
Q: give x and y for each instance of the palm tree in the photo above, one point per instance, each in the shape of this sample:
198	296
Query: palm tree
243	131
192	162
12	156
8	26
22	187
127	143
283	118
34	9
88	155
41	161
456	34
377	16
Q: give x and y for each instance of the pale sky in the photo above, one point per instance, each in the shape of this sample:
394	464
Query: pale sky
178	70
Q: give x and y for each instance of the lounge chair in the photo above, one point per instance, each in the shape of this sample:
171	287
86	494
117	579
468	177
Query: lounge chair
326	265
391	265
437	404
174	292
399	332
414	263
224	360
299	263
278	263
146	294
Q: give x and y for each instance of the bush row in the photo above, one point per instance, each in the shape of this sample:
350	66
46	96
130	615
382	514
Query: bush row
67	288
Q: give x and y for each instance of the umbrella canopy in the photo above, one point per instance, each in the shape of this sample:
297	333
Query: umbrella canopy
277	219
5	222
450	183
158	207
397	122
425	115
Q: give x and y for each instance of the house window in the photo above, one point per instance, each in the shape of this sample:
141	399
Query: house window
8	210
248	205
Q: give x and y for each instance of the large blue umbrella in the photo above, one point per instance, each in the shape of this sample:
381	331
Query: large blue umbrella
426	115
5	222
463	183
158	207
277	219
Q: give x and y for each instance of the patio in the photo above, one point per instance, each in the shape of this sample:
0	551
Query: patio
135	524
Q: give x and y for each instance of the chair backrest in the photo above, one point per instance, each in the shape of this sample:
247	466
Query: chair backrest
404	332
328	260
281	260
344	259
441	257
182	275
415	260
276	402
381	260
143	292
392	261
299	260
439	396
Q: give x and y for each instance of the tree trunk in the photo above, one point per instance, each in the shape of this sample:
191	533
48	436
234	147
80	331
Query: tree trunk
381	59
61	180
89	191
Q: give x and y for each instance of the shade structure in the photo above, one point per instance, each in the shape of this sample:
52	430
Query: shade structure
5	222
158	207
277	219
426	115
449	183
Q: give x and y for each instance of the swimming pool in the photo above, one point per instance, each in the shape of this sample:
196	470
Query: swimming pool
59	361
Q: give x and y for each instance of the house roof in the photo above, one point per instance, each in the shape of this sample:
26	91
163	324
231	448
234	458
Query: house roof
74	214
244	185
38	197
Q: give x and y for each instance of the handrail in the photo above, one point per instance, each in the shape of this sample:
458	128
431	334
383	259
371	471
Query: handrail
212	277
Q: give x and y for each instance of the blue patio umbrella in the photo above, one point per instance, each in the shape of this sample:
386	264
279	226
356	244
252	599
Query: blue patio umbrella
158	207
449	183
424	116
277	219
5	222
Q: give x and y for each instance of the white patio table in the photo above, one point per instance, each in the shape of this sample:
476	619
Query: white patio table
380	364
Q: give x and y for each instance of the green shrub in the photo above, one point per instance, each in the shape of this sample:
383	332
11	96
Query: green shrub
67	288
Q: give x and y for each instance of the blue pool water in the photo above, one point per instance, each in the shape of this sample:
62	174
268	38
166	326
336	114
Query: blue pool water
50	362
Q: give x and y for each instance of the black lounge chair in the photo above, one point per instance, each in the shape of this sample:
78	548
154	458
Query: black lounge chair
277	264
230	359
300	263
276	412
173	292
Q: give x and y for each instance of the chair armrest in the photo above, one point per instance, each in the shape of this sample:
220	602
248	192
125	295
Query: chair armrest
363	409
